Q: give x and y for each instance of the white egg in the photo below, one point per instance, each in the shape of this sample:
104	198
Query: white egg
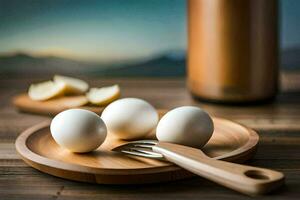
130	118
78	130
187	125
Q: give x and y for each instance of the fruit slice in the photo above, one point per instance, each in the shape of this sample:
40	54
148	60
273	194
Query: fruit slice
73	85
46	90
103	96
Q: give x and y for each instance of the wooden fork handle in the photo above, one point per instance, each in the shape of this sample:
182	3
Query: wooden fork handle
242	178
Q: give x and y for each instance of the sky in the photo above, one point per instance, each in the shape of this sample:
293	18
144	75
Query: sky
117	29
108	29
290	23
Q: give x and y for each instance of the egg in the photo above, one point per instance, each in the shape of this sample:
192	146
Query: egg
130	118
187	125
78	130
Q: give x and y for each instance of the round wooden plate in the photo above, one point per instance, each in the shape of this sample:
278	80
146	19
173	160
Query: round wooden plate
52	106
230	141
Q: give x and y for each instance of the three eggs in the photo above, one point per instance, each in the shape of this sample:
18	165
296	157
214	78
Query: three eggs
82	131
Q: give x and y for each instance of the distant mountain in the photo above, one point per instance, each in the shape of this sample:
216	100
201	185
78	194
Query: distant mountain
290	59
158	67
174	64
171	64
21	64
24	64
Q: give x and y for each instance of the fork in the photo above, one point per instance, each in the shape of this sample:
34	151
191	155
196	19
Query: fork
242	178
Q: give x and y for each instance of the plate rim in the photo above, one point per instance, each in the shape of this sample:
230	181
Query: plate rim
35	160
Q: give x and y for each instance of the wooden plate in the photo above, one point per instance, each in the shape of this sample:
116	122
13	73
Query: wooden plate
230	141
53	106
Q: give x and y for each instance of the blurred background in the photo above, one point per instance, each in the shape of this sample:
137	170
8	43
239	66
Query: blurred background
110	38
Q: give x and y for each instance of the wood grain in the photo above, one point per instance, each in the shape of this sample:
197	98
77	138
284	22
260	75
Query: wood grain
245	179
278	125
230	141
54	106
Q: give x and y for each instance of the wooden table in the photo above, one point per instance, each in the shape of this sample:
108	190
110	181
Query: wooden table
278	125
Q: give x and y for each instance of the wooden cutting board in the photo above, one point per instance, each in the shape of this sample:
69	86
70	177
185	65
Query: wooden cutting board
52	106
230	141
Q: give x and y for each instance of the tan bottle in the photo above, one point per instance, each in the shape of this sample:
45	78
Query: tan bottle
233	49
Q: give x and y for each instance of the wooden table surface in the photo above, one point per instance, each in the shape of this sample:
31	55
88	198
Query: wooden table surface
277	123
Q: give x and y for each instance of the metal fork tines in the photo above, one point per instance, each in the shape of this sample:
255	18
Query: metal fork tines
139	148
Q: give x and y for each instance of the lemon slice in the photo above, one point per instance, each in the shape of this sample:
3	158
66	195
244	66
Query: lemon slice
46	90
103	96
73	85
